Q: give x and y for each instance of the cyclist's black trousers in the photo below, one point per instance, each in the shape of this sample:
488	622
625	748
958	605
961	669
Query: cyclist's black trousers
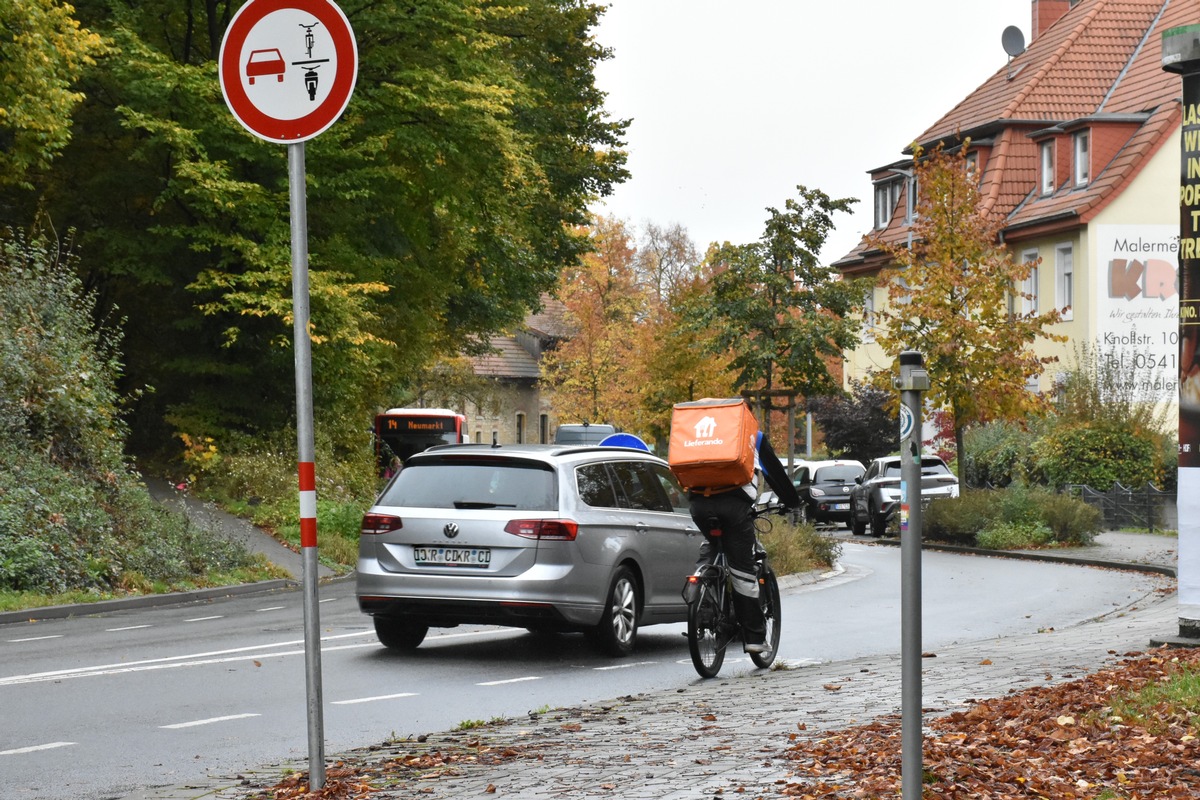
732	512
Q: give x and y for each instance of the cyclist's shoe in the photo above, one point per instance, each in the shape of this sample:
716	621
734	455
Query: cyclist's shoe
755	643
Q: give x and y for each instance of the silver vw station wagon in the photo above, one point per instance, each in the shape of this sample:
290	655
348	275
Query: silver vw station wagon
544	537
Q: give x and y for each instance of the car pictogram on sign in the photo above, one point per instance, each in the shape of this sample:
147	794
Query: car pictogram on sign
265	62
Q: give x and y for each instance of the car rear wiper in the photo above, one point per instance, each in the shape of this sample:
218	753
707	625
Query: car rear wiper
481	504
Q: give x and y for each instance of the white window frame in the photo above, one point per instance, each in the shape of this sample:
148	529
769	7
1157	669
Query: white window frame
1048	177
887	194
1064	279
1029	305
869	315
1083	158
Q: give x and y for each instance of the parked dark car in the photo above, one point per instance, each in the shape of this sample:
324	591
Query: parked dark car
875	499
544	537
825	486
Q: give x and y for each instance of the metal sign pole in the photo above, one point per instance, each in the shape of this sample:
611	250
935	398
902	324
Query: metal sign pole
913	380
306	465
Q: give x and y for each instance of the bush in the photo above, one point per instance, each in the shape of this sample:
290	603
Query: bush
74	515
998	454
958	519
1097	456
1072	521
1013	518
1014	536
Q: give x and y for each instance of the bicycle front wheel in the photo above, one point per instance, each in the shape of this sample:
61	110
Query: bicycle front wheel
768	595
706	619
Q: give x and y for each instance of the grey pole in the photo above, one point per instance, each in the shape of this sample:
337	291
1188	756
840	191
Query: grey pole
305	457
913	380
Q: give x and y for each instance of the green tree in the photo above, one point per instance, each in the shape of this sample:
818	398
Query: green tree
948	297
440	206
782	316
44	51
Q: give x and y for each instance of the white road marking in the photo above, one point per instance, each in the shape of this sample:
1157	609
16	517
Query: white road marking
36	638
205	619
33	749
373	699
626	666
327	600
218	657
209	721
510	680
271	608
126	628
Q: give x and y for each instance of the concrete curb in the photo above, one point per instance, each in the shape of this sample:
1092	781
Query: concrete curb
141	601
1025	555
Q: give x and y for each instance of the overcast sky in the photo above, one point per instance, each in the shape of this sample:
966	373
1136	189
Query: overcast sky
735	103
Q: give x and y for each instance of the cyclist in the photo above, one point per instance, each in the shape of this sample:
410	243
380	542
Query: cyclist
730	513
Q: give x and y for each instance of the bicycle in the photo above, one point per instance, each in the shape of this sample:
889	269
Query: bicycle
711	621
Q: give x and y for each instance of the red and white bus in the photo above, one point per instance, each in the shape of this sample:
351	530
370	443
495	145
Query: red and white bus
400	432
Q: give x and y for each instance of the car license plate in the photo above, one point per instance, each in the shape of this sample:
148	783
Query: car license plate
841	506
452	556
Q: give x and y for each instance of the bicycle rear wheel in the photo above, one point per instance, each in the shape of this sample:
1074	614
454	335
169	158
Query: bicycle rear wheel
768	595
706	641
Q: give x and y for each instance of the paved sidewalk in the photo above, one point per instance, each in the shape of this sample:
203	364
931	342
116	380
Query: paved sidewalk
728	735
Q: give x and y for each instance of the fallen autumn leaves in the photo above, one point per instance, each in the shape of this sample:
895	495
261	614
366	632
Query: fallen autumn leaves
1056	742
1061	742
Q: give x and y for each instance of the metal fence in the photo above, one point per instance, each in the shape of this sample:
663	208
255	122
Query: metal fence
1122	507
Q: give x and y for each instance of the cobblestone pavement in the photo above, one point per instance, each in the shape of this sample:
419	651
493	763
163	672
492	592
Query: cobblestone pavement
727	736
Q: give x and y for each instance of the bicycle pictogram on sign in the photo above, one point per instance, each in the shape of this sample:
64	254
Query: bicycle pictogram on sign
288	67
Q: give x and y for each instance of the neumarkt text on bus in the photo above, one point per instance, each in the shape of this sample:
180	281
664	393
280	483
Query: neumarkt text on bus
401	432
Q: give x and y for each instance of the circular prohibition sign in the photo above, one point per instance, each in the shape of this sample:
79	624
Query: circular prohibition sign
254	47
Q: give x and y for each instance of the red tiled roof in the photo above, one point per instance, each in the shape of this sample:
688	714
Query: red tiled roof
1098	65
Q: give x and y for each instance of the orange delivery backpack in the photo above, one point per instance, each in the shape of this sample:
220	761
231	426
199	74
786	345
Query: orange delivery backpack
712	444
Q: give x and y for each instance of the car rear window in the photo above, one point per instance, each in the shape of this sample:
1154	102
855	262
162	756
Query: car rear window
838	474
459	484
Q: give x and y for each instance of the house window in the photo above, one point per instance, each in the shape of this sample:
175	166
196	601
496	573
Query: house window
1064	270
1029	286
520	428
1047	149
1083	163
544	429
869	316
972	163
886	196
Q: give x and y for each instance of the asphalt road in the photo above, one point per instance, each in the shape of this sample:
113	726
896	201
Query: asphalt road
96	706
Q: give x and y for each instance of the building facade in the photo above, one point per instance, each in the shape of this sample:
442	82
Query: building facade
1076	142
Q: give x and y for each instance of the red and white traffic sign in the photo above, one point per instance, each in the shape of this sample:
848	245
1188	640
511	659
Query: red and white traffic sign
288	67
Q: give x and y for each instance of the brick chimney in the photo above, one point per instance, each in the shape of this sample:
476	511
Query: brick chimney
1046	13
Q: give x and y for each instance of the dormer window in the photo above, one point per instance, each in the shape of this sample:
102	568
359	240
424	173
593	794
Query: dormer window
1047	153
886	196
1083	160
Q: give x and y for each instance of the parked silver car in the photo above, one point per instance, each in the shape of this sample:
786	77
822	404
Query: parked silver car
875	498
544	537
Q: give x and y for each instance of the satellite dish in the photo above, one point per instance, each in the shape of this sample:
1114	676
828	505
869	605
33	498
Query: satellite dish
1013	41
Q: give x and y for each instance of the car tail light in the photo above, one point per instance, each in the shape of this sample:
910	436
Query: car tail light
559	529
380	523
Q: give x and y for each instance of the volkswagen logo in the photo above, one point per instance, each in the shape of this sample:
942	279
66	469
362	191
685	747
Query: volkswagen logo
451	530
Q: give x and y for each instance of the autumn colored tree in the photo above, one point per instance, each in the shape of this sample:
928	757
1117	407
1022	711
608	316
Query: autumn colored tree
779	314
674	353
593	373
948	297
